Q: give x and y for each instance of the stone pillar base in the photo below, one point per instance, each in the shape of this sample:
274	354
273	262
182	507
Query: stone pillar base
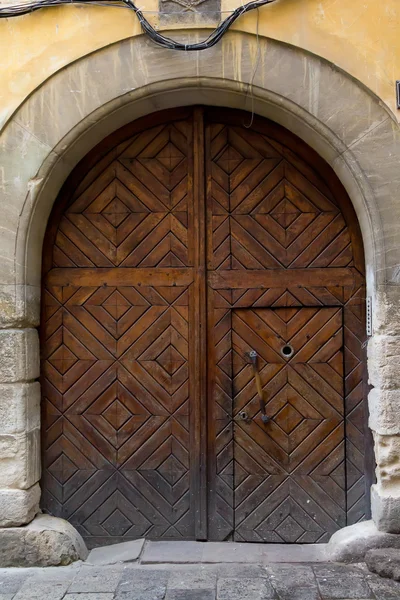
46	541
350	544
385	511
18	507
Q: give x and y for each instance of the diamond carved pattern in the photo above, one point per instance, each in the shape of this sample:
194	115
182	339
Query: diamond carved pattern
116	358
305	401
266	222
288	418
138	216
131	412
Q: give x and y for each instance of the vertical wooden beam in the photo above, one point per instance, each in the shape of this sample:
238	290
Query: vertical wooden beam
199	337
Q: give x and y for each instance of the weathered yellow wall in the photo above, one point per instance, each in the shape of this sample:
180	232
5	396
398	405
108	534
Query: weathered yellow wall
361	37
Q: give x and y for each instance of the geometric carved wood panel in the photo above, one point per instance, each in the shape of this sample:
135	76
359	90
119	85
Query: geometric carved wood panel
289	474
116	364
187	235
279	238
116	405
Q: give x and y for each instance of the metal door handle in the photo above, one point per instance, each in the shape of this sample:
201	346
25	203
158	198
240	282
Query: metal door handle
253	357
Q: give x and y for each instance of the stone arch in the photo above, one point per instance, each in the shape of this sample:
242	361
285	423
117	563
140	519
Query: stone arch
82	103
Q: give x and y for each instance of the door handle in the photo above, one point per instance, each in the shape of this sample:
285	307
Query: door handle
253	358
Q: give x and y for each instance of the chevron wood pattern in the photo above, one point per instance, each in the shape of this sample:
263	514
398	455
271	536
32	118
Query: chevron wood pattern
289	485
277	224
179	244
266	212
135	214
117	406
116	372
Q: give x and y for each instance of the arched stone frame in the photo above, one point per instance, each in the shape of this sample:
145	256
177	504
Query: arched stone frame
83	103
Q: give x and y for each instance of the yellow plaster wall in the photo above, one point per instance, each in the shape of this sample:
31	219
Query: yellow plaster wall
361	37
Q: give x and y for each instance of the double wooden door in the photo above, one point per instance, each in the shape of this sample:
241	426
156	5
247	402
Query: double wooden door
178	247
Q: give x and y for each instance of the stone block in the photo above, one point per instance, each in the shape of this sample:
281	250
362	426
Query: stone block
377	154
199	577
18	507
46	541
385	507
165	551
19	407
244	589
136	584
19	355
340	581
20	465
386	318
19	306
11	581
109	555
384	411
36	589
296	582
195	595
97	579
383	362
89	596
350	544
326	87
21	155
385	562
387	457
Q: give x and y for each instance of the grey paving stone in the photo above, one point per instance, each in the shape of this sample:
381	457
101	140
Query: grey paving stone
228	552
172	552
96	596
339	581
110	555
190	595
11	580
384	589
97	579
294	582
294	553
385	562
37	590
244	589
239	570
201	577
6	596
142	584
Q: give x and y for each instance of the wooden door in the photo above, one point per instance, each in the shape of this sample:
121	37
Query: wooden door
120	343
289	473
166	239
281	238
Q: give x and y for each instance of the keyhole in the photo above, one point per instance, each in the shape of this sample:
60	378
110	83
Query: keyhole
287	350
243	415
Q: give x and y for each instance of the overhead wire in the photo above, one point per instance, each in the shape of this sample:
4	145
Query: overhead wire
215	36
250	86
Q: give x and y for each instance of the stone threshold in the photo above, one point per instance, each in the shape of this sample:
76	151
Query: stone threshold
180	552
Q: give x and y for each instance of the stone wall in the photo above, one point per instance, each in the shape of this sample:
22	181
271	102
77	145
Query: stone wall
81	104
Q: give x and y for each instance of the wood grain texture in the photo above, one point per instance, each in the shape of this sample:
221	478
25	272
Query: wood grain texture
180	243
119	376
289	474
278	237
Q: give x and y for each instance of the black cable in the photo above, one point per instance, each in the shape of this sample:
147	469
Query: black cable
158	38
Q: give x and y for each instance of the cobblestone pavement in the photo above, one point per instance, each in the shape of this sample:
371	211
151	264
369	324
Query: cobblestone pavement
197	582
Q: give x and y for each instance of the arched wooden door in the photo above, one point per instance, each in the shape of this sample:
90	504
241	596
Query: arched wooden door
178	246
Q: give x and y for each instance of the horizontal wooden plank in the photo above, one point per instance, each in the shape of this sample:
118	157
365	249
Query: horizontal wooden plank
120	277
279	278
